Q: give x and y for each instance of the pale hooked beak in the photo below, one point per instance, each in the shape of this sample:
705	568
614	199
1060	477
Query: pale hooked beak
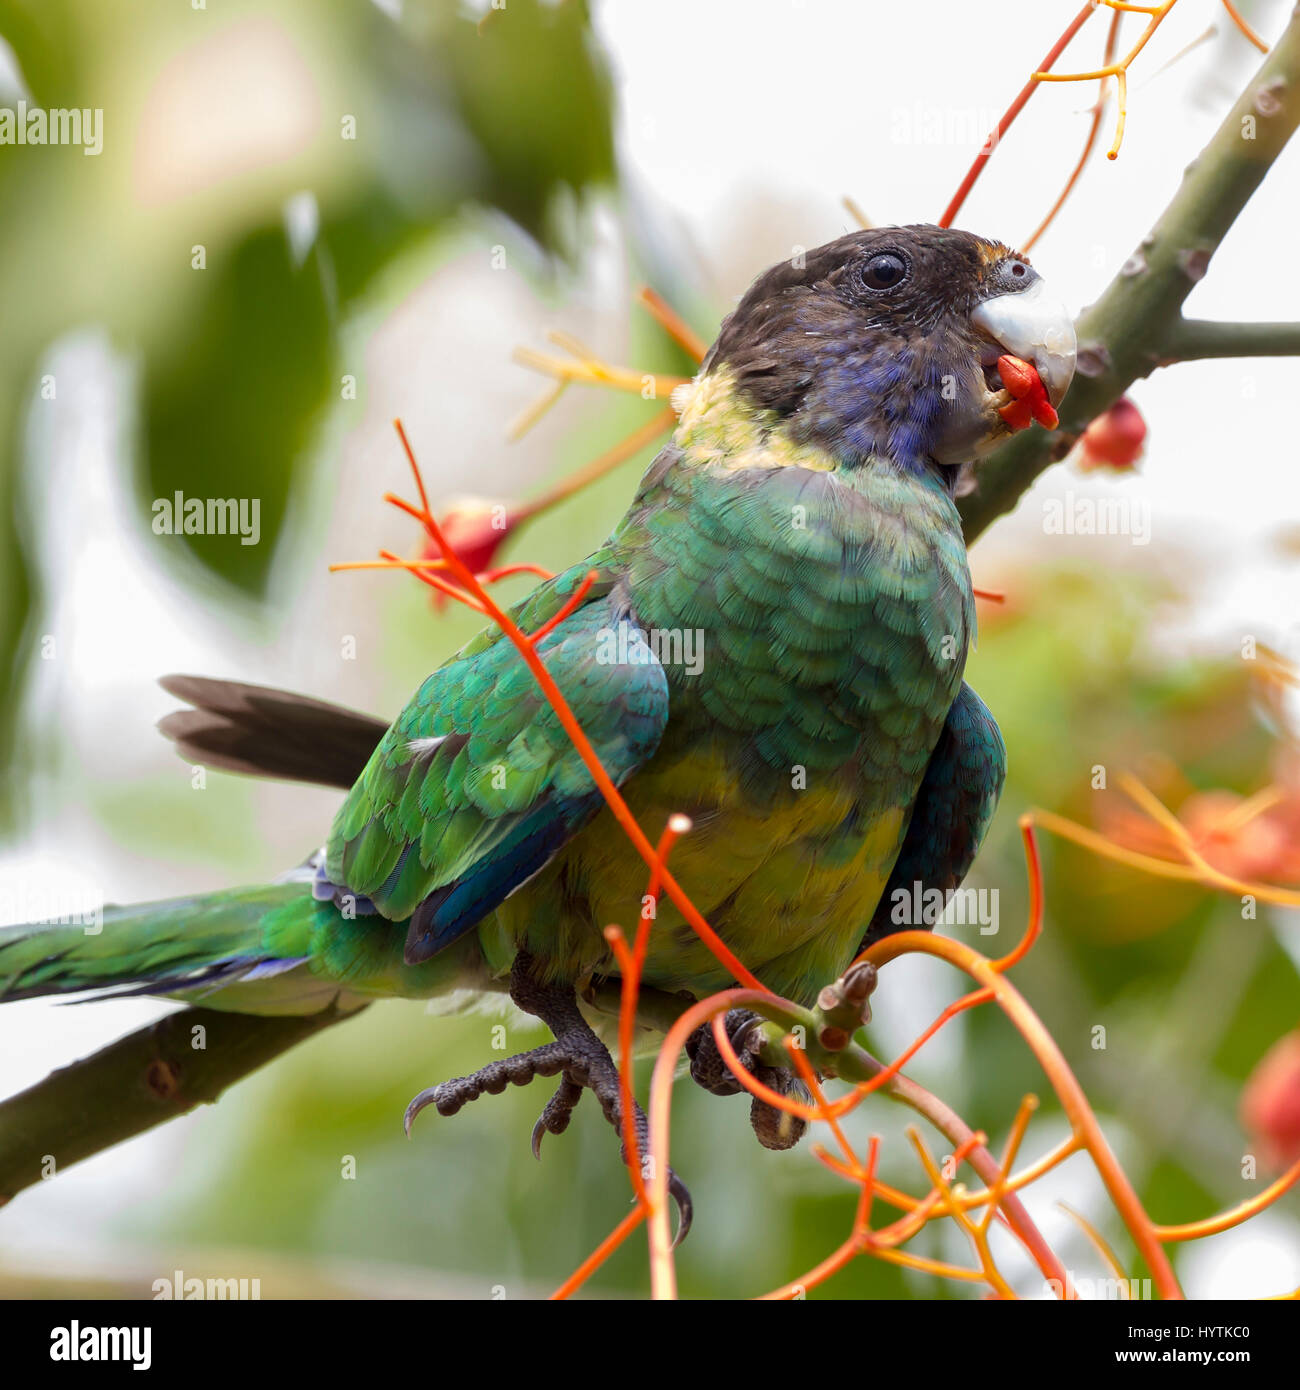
1034	325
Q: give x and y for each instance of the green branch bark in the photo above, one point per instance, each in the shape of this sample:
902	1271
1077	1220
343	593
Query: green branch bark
1192	339
1136	326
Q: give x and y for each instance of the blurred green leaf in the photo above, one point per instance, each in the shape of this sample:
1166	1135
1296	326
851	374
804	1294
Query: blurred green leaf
239	362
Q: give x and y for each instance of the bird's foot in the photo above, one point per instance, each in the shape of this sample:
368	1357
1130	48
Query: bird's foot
774	1128
577	1057
450	1096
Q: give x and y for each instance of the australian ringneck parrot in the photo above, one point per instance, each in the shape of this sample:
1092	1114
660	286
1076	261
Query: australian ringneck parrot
800	532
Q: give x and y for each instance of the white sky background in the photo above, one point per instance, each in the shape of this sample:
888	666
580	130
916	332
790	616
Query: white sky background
742	123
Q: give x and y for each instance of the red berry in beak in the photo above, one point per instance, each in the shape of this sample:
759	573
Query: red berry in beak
1029	396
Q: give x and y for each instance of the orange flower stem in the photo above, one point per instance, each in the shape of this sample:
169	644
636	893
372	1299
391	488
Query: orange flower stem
567	609
862	1089
862	1218
1067	1088
677	826
522	567
601	1253
941	1116
946	1120
753	1085
978	1235
1235	15
630	983
432	580
832	1264
1225	1221
1099	844
1094	128
663	1277
630	964
1204	870
1014	1139
1100	1244
539	407
1119	71
1012	111
1034	925
905	1202
403	505
1250	809
1067	1148
809	1077
847	1252
592	372
673	324
939	1268
602	464
429	566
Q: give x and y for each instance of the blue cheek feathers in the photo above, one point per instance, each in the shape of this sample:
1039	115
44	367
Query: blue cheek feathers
888	404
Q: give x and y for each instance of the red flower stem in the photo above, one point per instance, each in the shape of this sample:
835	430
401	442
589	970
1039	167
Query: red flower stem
571	606
432	580
1094	128
982	158
601	1253
599	466
1073	1101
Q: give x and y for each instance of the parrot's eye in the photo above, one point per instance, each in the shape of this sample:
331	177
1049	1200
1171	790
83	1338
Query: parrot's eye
1014	274
885	271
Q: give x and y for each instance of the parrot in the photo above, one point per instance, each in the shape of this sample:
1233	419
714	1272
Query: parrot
772	642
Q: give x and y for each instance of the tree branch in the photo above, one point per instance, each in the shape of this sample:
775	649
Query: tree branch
1192	339
1133	327
142	1080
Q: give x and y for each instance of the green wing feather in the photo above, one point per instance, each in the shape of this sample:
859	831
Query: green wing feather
476	784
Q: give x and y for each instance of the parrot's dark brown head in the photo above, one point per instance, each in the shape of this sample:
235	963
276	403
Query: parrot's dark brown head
885	342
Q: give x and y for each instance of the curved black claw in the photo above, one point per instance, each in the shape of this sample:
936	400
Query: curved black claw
554	1119
681	1195
426	1097
450	1096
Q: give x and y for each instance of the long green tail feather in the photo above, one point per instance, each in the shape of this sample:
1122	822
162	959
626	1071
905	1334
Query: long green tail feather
272	949
156	947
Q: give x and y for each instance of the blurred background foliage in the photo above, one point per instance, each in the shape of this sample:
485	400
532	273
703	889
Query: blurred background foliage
237	363
233	388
